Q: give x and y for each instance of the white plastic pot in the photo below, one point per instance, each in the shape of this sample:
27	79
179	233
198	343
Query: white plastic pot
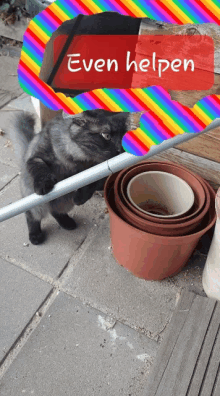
36	104
211	272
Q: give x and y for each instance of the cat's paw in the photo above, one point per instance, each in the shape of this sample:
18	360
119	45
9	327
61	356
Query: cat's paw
65	221
80	200
37	238
44	184
82	195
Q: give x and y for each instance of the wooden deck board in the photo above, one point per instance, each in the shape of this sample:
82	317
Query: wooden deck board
212	372
166	349
217	385
209	170
206	145
205	356
187	363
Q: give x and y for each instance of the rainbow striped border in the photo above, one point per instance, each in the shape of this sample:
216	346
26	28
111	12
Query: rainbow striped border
164	118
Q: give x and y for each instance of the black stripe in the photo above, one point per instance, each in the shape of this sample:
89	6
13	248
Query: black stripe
71	91
65	48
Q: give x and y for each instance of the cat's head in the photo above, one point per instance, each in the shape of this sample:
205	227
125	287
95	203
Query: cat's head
99	132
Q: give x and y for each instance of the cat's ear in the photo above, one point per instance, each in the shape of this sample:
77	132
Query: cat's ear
79	122
133	120
77	119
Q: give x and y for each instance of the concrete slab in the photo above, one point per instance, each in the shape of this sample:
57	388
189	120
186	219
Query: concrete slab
20	296
96	278
7	173
15	31
6	147
9	86
9	77
77	350
191	275
49	259
23	102
5	97
10	51
7	151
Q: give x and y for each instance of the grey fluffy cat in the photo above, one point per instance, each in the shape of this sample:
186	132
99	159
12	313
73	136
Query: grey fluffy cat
64	147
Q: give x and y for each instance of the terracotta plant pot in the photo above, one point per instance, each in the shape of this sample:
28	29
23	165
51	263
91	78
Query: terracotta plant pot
149	256
197	186
146	222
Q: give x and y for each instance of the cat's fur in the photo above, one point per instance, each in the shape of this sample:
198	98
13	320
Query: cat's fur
64	147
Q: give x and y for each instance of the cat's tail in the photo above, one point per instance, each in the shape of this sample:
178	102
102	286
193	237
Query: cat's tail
21	133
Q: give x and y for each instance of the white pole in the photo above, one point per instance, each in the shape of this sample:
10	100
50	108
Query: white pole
93	174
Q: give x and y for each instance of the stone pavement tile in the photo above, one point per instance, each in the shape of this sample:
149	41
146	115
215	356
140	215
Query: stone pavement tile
7	153
97	279
77	350
191	275
7	113
5	97
7	173
11	51
49	258
15	31
20	296
9	78
24	103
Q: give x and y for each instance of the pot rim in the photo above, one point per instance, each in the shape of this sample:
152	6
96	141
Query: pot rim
122	174
170	175
170	240
167	226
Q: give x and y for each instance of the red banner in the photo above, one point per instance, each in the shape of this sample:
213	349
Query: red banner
117	61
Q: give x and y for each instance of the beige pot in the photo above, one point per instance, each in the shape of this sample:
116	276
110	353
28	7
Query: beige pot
160	194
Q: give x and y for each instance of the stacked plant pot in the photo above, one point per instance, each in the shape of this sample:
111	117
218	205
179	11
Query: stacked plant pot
154	247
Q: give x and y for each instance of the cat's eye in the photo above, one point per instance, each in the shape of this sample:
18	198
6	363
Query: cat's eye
106	136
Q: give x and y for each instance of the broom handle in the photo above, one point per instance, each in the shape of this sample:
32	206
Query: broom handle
93	174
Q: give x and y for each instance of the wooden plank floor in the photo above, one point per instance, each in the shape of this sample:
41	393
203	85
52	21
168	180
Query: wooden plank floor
188	361
206	145
201	155
208	169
